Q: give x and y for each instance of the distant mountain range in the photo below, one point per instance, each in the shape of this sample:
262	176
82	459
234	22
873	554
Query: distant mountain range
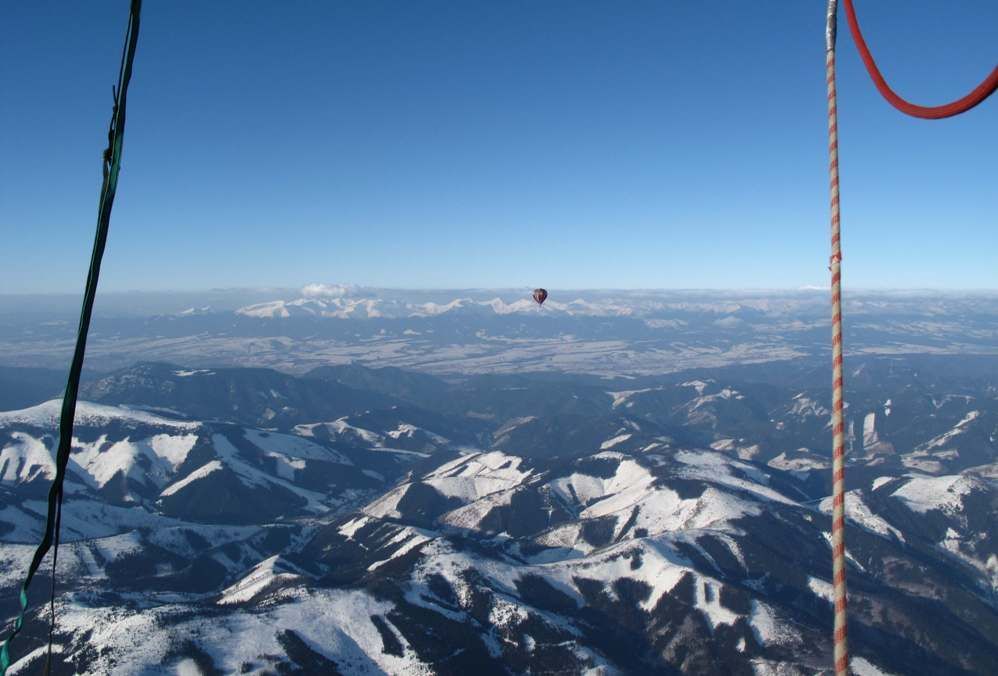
372	308
452	333
357	520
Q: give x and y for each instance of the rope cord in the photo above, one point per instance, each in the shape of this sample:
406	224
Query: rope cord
111	170
981	92
841	650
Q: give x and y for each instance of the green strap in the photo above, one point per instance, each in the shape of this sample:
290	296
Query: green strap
112	167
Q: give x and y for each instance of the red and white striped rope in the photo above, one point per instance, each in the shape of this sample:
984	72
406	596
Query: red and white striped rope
841	650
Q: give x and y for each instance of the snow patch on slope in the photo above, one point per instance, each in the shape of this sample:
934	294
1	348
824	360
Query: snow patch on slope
922	494
25	460
474	476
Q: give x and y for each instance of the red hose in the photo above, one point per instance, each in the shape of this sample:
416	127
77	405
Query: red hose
981	92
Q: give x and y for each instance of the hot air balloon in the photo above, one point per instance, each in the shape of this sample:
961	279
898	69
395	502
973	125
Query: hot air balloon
540	295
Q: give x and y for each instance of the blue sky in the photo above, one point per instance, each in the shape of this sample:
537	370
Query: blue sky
570	144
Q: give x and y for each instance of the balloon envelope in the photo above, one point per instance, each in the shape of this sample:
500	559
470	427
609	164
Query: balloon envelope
540	295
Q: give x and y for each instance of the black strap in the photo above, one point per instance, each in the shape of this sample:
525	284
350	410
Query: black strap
111	167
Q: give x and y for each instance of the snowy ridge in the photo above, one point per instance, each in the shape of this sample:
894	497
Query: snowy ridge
153	460
199	473
291	446
621	397
243	635
340	428
960	428
468	479
266	574
409	431
857	511
92	415
254	477
805	406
